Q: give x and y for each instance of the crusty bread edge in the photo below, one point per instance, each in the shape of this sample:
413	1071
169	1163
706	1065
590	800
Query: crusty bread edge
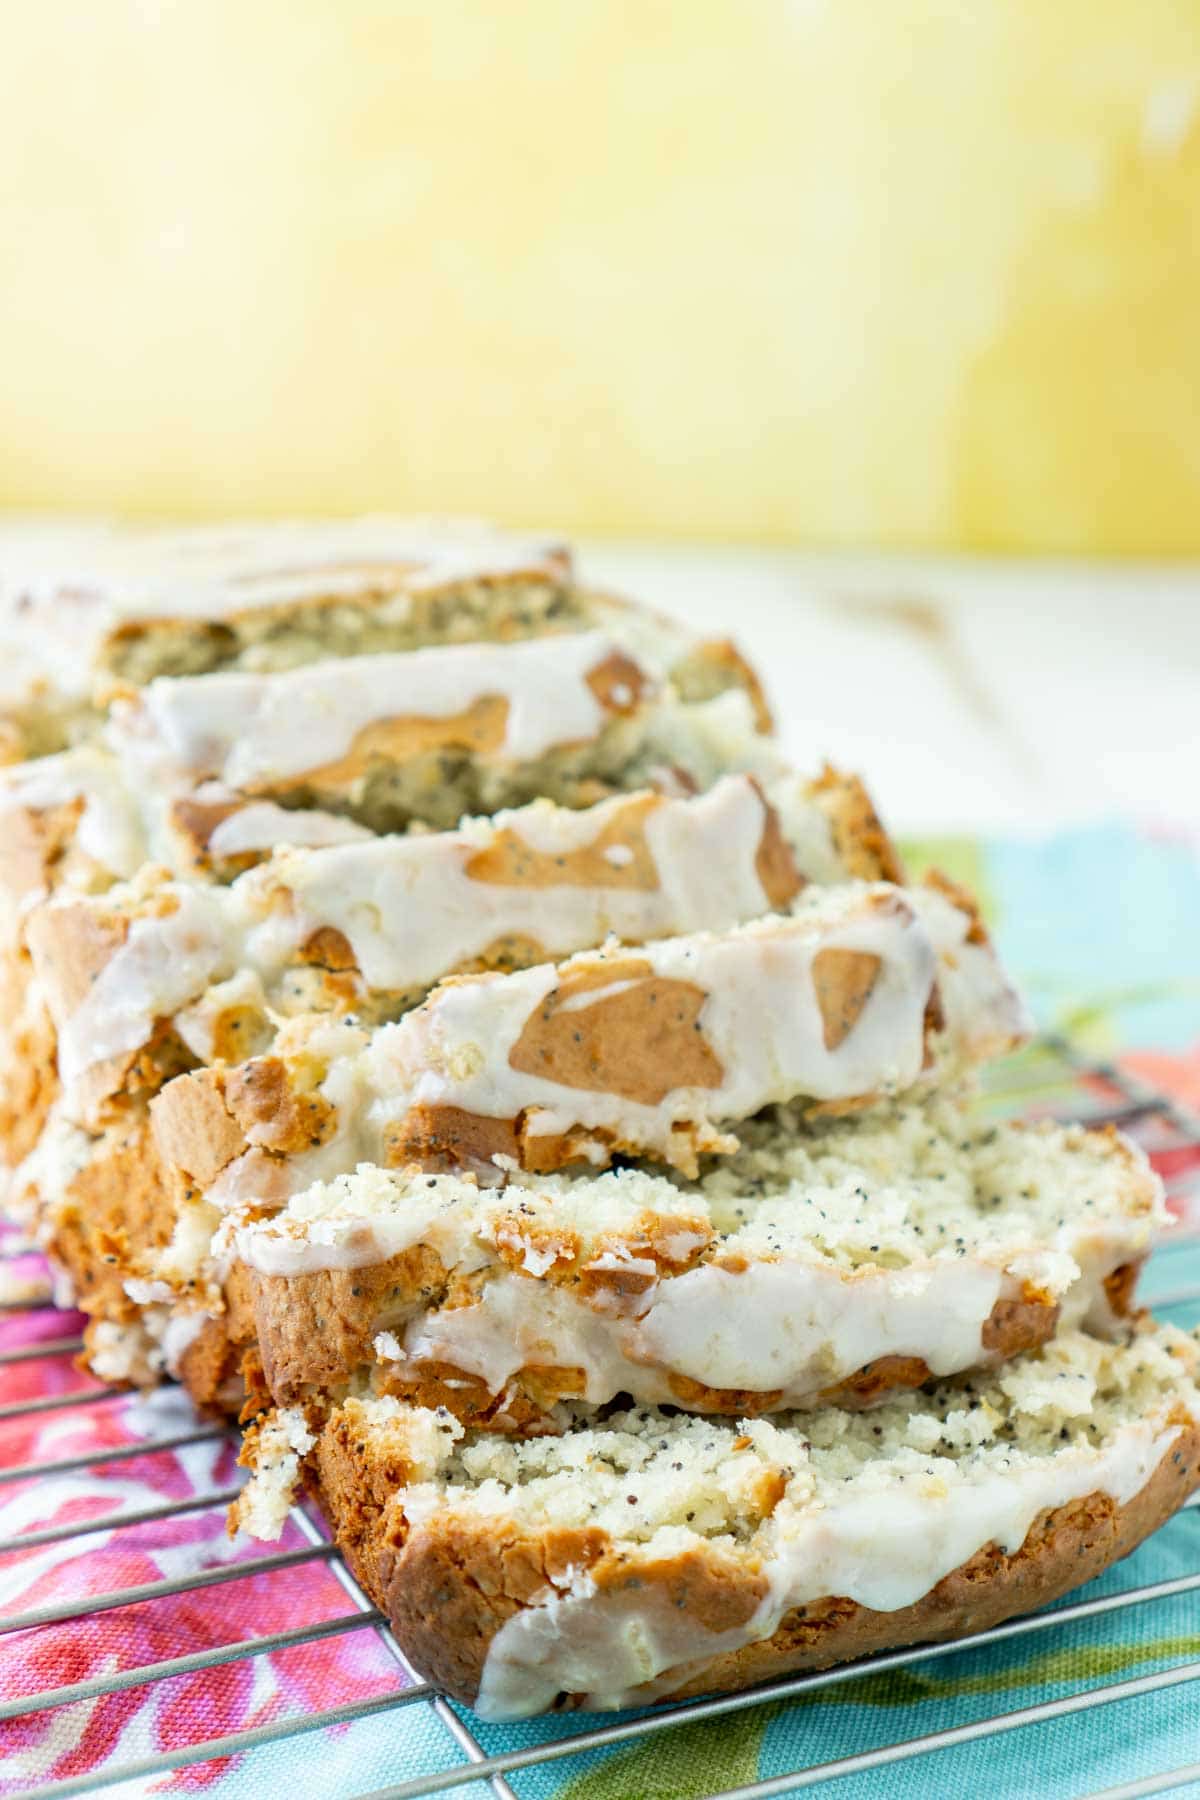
450	1584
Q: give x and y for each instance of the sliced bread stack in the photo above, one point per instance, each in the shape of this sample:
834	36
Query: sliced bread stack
438	1023
239	851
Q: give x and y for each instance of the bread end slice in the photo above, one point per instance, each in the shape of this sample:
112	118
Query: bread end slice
642	1556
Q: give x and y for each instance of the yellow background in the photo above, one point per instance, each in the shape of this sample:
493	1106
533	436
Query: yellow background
859	271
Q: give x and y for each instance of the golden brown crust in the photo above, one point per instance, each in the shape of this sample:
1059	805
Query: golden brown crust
774	863
29	1083
117	1210
1019	1323
843	981
1120	1286
463	1590
716	665
36	841
524	1407
860	840
617	683
194	1129
640	1042
875	1379
329	948
314	1329
449	1585
510	861
204	1120
963	899
71	942
271	1112
447	1137
238	1295
211	1369
448	1593
478	730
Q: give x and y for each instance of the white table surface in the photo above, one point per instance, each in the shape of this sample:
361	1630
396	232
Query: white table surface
973	695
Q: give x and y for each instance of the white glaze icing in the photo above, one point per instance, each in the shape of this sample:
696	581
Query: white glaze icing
216	572
261	825
807	830
787	1326
252	731
884	1548
795	1327
165	961
411	912
198	1023
109	831
976	995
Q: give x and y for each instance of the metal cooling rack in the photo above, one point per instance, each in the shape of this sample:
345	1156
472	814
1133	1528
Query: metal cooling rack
1052	1078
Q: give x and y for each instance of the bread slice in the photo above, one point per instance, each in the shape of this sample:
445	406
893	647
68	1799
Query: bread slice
102	605
94	610
85	817
428	735
437	728
859	993
646	1555
191	974
833	1262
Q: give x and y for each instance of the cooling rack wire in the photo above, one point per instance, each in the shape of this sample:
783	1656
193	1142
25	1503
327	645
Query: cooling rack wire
1052	1078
